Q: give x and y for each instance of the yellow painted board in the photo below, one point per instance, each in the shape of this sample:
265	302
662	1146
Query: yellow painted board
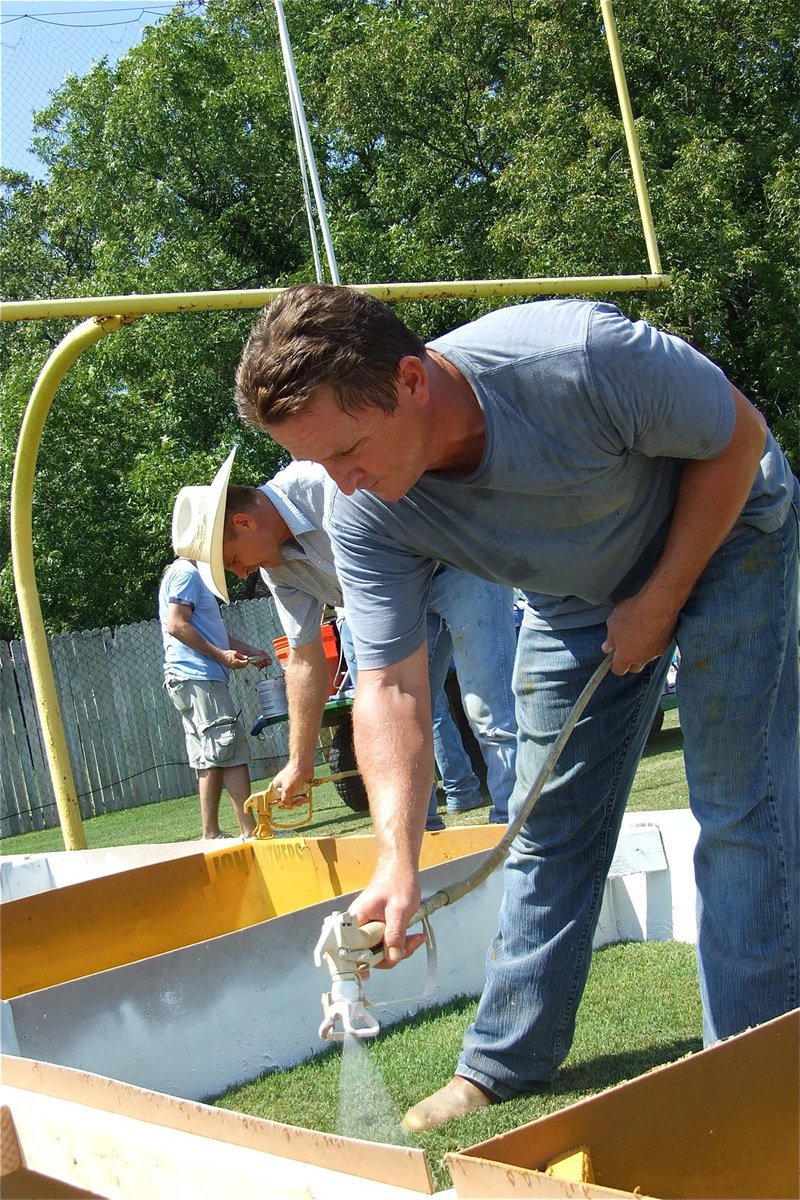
73	931
69	932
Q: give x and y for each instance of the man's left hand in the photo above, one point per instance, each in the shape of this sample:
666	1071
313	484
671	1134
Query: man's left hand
638	632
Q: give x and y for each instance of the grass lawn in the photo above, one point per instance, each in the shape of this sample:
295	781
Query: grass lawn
641	1008
660	783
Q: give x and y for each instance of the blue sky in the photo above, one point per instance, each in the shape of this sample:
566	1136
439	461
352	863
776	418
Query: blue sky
41	41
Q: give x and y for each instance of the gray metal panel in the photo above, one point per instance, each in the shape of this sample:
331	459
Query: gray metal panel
206	1017
8	1034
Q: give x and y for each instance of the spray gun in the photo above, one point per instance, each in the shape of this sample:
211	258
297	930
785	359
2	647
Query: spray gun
266	805
349	950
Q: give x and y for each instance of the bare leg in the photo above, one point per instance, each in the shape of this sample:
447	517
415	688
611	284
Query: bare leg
209	784
237	781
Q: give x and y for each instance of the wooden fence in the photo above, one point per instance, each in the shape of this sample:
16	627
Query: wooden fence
124	736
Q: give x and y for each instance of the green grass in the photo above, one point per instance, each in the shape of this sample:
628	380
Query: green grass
660	783
641	1008
661	778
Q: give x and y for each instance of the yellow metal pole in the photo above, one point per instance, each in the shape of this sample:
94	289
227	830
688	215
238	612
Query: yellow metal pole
44	687
137	306
107	315
630	135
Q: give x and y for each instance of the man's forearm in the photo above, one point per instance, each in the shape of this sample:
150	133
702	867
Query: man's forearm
189	636
711	495
307	688
394	748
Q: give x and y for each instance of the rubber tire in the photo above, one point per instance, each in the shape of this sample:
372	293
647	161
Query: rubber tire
341	757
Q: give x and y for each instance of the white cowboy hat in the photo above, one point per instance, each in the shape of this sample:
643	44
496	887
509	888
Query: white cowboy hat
198	521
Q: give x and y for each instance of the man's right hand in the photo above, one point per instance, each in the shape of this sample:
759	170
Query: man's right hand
234	660
293	784
392	896
394	747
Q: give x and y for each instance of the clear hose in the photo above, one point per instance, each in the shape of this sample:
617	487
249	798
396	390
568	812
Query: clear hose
449	895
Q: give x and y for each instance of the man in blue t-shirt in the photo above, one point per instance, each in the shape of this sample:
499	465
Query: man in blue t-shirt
637	498
280	528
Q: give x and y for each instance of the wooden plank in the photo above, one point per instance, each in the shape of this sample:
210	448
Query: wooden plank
131	657
18	793
121	659
46	815
721	1122
323	1165
112	783
80	650
163	741
62	658
133	664
91	670
93	699
28	743
118	790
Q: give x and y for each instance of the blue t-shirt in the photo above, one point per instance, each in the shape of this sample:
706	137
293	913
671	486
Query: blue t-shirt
182	584
588	420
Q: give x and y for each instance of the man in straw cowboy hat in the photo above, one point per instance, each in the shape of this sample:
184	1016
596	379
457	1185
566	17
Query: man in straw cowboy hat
199	656
279	528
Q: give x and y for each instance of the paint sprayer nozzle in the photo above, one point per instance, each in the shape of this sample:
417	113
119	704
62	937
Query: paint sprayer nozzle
347	950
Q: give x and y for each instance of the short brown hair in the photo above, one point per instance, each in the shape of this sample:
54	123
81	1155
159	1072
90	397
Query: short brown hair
240	499
321	335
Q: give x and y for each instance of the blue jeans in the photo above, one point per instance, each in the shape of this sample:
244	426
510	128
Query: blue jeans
480	619
738	700
461	785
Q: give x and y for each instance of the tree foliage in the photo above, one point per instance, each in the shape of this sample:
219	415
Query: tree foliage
455	139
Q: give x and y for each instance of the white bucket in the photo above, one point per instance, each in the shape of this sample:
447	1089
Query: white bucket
272	697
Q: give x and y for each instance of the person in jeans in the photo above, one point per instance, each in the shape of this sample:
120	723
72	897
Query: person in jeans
635	495
460	784
279	528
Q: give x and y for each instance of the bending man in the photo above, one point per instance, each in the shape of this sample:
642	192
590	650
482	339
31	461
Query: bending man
636	496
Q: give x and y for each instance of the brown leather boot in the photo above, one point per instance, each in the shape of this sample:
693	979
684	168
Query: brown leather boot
456	1099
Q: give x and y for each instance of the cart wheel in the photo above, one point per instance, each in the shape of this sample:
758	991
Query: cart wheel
341	757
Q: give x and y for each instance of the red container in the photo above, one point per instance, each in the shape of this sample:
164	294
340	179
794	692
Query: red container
330	644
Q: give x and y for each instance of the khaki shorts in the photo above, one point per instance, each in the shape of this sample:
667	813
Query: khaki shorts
214	734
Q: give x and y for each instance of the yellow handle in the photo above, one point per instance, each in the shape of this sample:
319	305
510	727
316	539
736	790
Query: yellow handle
263	804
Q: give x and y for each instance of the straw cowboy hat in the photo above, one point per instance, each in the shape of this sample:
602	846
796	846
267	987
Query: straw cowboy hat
198	521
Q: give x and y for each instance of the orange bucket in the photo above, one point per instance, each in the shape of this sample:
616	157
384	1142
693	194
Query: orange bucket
330	644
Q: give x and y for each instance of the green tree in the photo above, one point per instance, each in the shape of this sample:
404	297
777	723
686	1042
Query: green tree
714	88
492	145
455	139
143	196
